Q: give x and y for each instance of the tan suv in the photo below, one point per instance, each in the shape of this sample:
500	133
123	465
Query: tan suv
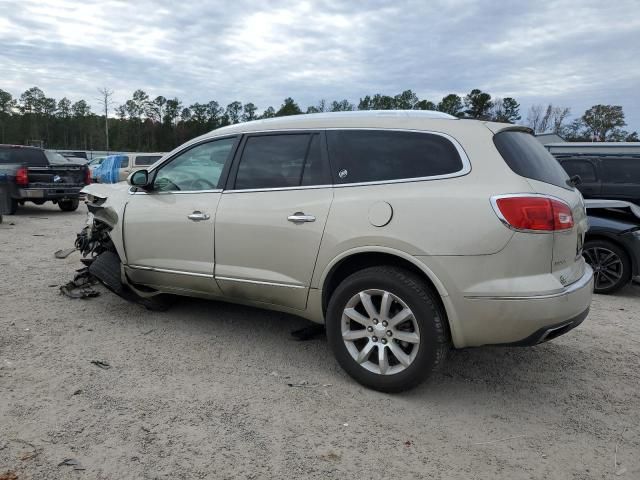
404	232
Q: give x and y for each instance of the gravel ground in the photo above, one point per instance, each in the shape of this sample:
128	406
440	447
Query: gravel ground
201	391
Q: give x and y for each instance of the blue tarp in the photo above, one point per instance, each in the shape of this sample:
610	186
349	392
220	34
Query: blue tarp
109	170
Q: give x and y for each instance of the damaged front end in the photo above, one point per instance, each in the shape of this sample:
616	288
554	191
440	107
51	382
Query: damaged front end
101	245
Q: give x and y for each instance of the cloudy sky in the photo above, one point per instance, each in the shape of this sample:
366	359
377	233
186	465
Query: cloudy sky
571	53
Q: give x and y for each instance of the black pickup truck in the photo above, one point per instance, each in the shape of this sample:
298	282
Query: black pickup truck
36	175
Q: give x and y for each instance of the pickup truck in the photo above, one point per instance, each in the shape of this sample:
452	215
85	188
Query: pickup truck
37	175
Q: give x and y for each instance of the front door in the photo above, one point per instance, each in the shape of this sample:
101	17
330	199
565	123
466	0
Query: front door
169	229
269	224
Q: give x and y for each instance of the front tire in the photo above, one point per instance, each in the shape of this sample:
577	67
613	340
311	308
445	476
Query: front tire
611	265
387	328
69	205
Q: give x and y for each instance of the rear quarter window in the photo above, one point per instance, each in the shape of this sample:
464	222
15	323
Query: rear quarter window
527	157
379	155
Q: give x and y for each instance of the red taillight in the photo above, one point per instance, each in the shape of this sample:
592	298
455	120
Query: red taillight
87	176
534	213
22	177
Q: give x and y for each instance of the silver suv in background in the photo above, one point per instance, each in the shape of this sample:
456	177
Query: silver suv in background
405	233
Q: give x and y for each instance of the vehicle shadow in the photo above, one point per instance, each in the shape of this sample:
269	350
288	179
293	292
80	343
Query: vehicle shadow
559	365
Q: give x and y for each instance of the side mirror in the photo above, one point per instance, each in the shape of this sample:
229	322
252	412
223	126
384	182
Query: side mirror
139	178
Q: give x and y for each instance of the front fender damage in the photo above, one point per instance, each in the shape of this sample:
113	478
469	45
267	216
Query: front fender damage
100	243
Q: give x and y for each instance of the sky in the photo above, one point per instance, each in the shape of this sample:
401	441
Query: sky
569	53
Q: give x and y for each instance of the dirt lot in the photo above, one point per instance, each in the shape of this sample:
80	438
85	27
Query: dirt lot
201	391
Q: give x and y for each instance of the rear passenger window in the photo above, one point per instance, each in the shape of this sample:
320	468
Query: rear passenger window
279	161
582	168
378	155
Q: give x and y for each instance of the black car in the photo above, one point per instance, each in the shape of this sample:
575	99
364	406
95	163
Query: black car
605	175
612	244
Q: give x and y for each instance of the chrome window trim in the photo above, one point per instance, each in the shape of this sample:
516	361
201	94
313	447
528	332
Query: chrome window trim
494	204
177	192
466	164
168	270
259	282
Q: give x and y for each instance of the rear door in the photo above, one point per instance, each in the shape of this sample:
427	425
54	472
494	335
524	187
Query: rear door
526	156
270	221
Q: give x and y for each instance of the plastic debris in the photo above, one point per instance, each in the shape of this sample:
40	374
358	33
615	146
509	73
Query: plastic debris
101	364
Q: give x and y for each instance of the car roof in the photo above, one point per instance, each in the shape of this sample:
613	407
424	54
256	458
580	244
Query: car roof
418	119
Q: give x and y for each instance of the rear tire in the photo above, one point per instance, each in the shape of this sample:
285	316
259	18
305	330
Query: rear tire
611	265
69	205
406	362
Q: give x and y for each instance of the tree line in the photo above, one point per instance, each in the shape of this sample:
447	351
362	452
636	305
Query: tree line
145	123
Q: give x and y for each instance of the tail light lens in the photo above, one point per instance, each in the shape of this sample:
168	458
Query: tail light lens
87	176
529	213
22	177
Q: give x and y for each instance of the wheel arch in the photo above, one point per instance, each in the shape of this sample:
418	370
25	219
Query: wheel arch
356	259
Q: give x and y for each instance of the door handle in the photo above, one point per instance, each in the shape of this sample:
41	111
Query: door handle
198	216
300	217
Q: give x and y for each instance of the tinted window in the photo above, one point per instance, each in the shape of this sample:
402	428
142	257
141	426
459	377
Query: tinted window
199	168
621	170
583	168
527	157
143	160
315	168
372	155
277	161
124	161
29	156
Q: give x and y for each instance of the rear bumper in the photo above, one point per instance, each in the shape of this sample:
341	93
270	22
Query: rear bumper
550	332
522	320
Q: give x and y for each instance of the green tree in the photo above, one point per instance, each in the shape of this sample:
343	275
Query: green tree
600	120
478	104
268	113
406	100
505	110
425	105
451	104
365	103
289	107
249	112
233	112
382	102
342	106
7	104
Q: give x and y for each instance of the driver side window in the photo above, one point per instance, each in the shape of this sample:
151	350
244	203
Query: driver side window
199	168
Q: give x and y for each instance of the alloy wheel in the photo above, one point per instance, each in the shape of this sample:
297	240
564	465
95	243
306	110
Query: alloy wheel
608	268
381	322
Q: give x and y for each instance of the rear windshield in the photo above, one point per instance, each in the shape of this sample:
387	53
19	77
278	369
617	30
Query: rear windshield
527	157
57	159
30	156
